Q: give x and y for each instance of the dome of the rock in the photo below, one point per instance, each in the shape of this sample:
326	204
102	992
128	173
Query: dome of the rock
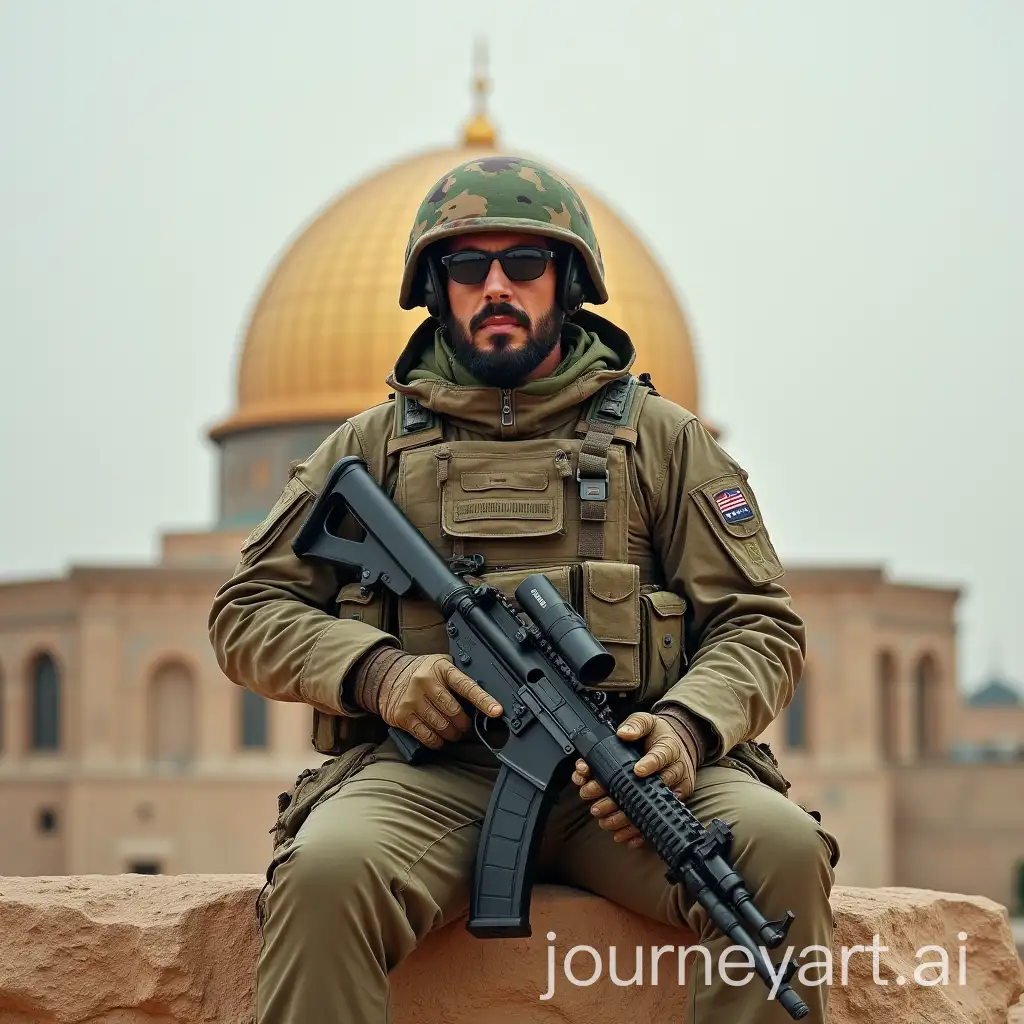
327	328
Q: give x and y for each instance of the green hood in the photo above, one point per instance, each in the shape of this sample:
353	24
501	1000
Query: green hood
596	352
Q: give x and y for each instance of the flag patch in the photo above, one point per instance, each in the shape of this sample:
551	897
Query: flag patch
733	505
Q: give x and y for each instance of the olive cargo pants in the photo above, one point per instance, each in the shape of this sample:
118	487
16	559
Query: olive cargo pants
387	858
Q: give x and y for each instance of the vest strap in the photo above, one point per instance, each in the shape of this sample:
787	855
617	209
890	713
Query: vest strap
612	413
618	403
592	477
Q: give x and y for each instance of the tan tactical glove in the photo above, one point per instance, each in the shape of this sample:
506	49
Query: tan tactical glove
416	693
670	749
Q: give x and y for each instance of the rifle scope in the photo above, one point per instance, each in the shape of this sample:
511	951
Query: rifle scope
565	629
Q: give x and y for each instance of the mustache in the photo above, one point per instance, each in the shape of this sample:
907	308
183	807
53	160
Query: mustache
498	309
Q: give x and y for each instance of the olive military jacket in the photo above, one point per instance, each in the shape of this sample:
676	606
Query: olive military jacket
683	585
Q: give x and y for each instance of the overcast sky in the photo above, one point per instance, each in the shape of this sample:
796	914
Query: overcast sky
834	189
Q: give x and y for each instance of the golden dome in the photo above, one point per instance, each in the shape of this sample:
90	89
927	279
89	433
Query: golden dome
327	328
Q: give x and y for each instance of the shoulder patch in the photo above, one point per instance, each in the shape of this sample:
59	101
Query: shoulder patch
733	505
743	536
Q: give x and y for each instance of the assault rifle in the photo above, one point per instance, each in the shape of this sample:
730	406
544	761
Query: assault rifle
538	667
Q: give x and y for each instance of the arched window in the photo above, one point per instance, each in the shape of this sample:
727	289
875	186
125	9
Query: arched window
45	704
171	708
254	720
888	720
796	716
926	706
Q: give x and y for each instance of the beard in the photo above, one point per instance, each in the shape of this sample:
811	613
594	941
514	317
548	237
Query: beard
501	366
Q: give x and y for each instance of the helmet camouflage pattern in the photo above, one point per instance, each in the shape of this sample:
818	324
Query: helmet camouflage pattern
503	193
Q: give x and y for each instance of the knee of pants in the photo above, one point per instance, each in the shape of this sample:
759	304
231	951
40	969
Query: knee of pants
781	853
779	842
332	871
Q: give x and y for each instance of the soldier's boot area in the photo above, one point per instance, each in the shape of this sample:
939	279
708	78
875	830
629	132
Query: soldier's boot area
387	859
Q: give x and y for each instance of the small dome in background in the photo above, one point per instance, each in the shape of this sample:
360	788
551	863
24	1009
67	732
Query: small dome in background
995	693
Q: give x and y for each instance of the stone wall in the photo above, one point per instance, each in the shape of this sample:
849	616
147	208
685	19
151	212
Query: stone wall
961	827
181	949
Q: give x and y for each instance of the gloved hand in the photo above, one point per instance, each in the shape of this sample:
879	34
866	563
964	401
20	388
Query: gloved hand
416	693
669	749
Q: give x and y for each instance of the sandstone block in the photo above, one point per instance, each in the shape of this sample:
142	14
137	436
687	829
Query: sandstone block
128	949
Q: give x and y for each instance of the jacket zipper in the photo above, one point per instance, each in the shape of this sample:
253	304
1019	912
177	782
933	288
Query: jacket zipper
508	418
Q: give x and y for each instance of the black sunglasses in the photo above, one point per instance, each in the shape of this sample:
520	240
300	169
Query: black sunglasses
520	263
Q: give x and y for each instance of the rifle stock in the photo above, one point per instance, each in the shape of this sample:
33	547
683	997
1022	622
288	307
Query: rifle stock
537	665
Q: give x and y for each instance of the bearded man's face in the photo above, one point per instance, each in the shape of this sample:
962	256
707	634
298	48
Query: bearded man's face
502	329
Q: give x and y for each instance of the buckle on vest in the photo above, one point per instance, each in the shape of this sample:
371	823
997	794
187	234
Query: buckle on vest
613	403
464	564
593	488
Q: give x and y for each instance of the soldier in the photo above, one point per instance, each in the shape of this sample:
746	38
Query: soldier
518	440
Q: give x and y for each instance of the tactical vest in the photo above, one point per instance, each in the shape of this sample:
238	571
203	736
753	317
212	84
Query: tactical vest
498	511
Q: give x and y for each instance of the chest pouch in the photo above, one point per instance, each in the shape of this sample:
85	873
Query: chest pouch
501	510
516	503
502	497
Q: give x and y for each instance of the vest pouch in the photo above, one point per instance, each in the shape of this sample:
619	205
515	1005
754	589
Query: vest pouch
334	734
663	657
758	759
313	786
610	603
515	503
495	496
499	494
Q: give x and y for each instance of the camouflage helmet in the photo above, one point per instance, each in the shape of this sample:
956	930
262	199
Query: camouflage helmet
505	193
